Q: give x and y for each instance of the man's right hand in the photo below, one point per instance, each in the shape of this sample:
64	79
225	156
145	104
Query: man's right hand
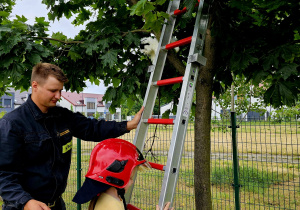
35	205
166	207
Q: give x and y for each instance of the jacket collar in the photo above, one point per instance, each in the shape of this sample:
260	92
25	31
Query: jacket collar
37	113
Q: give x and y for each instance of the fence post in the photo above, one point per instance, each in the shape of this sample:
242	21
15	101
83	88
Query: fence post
235	162
78	168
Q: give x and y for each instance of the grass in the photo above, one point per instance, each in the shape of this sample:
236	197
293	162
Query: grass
264	185
269	155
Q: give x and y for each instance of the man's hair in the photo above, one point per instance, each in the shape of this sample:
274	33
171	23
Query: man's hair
42	71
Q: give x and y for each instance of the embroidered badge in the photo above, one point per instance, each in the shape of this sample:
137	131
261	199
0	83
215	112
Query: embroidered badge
65	132
67	147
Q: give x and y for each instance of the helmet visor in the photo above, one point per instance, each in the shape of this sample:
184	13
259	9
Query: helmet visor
143	163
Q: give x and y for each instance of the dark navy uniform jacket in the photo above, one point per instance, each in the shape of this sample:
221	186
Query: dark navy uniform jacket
35	150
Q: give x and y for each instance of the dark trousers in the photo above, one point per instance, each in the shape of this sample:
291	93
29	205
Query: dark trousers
59	205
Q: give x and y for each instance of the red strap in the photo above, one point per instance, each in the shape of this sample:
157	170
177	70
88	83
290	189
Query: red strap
161	121
157	166
132	207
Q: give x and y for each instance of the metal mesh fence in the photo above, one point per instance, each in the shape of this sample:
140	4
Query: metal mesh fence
269	156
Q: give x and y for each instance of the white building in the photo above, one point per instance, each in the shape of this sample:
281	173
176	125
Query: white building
88	104
216	111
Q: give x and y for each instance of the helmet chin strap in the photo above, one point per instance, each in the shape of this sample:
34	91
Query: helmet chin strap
121	193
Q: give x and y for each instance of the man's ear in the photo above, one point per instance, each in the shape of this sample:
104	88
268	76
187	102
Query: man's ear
34	85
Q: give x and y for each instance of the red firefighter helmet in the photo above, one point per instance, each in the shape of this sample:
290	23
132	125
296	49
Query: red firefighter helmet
112	162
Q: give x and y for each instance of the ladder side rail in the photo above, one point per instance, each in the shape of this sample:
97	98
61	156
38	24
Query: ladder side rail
151	92
159	62
183	111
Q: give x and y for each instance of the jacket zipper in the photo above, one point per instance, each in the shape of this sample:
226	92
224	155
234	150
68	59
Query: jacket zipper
53	160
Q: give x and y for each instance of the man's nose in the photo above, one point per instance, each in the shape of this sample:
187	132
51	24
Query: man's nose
58	95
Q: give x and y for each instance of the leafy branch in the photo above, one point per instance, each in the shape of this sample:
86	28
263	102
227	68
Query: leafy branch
58	40
82	42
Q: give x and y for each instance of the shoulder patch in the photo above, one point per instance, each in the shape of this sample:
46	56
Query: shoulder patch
64	132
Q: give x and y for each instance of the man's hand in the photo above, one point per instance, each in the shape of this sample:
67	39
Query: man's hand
35	205
166	207
135	121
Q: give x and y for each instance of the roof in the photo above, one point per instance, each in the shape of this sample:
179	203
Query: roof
77	99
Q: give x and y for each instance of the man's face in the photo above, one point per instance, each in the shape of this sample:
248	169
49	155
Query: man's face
46	94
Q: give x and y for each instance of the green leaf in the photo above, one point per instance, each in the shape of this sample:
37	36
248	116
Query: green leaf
288	52
19	25
116	3
286	93
269	61
163	14
110	94
132	38
22	19
175	86
138	8
58	36
116	82
259	76
272	96
4	14
130	102
240	61
287	70
280	93
142	8
110	58
97	82
5	63
28	46
90	47
74	56
160	2
166	114
34	58
115	39
41	20
138	84
5	28
103	43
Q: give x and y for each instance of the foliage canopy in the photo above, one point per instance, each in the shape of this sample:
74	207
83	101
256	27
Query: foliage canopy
256	39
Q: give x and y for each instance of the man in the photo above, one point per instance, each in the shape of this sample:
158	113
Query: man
36	143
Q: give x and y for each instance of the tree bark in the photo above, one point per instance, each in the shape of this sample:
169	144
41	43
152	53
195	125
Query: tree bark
203	127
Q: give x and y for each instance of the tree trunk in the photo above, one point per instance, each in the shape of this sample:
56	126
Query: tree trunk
203	127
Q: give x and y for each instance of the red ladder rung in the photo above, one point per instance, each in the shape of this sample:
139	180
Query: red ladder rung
180	11
132	207
161	121
169	81
157	166
179	43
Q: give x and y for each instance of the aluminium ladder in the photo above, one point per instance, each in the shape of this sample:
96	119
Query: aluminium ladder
195	60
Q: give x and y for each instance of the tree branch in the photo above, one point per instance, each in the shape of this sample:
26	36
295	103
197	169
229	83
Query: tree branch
131	2
173	58
176	62
81	42
61	41
135	31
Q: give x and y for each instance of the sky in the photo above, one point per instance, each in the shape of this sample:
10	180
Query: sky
34	8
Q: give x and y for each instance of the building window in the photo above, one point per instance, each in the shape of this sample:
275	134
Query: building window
90	105
7	103
116	116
